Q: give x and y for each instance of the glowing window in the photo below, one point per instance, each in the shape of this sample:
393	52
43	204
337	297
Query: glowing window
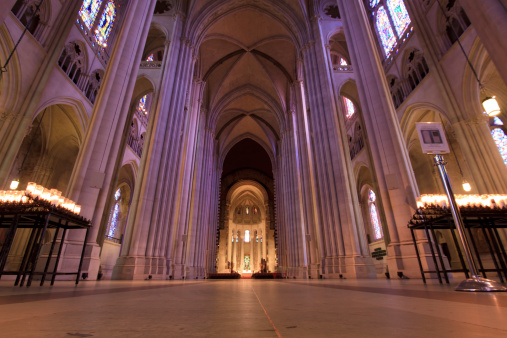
247	210
385	31
374	217
350	109
143	106
374	3
501	142
106	23
497	121
247	263
150	58
113	225
343	62
247	236
399	15
89	10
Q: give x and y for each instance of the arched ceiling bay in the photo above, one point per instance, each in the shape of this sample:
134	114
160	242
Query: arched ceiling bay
248	62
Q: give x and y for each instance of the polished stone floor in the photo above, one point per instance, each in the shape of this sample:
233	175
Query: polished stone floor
250	308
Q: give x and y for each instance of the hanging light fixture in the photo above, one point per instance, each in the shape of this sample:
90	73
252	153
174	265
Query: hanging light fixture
466	186
490	104
491	107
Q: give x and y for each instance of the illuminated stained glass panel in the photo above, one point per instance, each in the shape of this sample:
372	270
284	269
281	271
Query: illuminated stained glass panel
113	224
399	15
374	3
350	109
114	220
150	58
247	236
385	30
497	121
501	142
141	106
106	23
374	217
343	62
89	11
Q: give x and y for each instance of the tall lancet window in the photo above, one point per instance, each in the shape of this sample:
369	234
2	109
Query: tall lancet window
350	109
115	215
391	21
399	14
89	11
385	30
106	23
374	216
143	106
500	137
247	236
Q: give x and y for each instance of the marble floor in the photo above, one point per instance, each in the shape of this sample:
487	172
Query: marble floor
250	308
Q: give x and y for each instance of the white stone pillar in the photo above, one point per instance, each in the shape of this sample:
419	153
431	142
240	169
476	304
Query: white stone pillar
229	245
340	219
157	197
242	251
397	184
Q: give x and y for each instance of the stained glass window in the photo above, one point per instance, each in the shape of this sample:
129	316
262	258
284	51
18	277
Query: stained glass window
350	109
113	224
247	210
247	236
497	121
89	11
247	263
385	30
374	3
374	217
343	62
141	106
501	142
150	58
106	23
399	15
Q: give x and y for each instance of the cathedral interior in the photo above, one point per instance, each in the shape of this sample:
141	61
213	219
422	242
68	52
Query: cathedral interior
202	138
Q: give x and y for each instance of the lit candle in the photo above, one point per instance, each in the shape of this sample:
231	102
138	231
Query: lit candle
30	188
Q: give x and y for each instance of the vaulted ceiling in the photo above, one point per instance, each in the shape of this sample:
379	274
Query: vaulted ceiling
247	59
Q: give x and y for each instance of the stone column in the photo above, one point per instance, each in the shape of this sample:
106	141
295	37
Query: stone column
489	18
390	159
99	159
234	252
229	245
340	220
258	252
242	251
5	8
153	228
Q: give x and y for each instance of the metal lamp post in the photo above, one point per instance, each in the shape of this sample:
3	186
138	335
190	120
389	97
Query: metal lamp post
476	283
